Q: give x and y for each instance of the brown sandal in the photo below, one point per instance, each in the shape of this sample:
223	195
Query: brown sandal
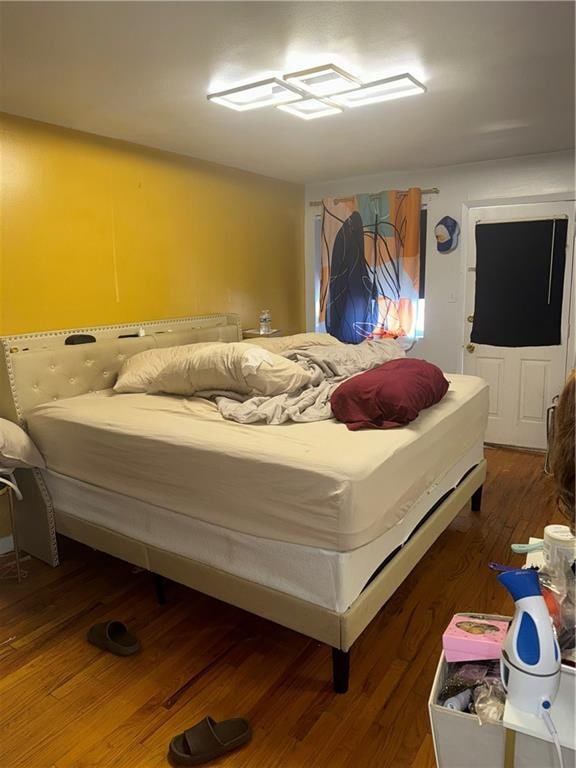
208	740
113	636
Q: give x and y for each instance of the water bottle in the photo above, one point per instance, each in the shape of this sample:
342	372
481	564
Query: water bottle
265	322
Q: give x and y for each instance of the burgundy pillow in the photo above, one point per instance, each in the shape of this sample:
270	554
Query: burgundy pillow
390	395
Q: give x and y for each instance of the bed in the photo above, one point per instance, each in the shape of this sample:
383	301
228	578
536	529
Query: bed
309	525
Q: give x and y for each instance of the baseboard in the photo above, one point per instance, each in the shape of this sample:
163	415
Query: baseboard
542	451
6	545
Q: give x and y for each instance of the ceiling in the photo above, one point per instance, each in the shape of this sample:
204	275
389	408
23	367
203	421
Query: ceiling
500	78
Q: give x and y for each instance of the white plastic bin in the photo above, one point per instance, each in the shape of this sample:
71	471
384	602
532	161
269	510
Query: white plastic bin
461	742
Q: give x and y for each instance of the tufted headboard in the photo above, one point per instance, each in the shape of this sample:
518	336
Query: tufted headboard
41	367
38	367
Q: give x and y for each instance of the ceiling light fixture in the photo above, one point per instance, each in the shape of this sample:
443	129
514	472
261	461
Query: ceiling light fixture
310	109
381	90
323	81
316	92
265	93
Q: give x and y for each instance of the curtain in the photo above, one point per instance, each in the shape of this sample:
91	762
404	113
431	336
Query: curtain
370	265
519	283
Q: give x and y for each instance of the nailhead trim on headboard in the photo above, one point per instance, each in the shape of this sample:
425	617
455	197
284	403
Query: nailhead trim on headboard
103	331
49	515
12	382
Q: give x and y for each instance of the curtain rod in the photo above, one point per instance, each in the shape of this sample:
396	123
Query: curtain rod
315	203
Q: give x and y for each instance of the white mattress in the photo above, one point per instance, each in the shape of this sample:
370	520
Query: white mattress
317	485
324	577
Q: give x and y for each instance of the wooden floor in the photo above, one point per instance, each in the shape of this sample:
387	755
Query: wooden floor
63	703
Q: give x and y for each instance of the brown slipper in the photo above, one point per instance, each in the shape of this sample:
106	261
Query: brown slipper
208	740
113	636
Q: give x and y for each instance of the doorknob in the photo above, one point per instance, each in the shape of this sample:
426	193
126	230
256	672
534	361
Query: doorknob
470	318
470	348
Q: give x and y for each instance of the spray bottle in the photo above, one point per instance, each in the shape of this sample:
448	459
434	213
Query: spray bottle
530	662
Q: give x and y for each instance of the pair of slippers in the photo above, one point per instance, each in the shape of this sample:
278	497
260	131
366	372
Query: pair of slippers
200	744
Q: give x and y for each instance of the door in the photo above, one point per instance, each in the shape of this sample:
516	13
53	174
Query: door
518	291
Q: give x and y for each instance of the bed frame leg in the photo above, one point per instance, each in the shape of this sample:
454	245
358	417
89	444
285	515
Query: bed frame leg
340	670
477	499
160	589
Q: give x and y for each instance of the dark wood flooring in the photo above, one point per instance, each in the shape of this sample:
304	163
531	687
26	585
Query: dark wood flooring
63	703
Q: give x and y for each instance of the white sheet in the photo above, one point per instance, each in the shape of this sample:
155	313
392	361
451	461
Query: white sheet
326	578
318	485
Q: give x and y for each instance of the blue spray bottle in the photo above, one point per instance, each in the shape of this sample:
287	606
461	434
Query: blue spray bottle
530	663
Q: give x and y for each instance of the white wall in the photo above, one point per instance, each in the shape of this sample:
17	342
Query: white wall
530	178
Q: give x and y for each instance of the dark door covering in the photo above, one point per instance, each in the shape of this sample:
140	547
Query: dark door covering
519	283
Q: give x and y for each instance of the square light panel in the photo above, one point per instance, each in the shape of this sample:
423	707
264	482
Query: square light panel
323	81
381	90
310	109
265	93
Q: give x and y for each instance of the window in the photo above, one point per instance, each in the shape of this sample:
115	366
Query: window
417	330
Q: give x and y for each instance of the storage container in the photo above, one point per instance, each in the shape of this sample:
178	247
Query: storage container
468	638
461	742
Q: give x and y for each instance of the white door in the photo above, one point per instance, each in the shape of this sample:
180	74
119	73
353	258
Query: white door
523	379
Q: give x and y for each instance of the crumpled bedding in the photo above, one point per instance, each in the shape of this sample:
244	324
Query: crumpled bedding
329	366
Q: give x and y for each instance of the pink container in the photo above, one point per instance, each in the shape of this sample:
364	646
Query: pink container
469	637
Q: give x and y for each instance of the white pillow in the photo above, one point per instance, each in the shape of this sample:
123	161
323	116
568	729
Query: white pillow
16	447
140	370
279	344
235	367
269	374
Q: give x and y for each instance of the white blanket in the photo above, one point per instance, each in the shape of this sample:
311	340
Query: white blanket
328	366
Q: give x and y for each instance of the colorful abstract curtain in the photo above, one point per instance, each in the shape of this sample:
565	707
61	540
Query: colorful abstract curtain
370	265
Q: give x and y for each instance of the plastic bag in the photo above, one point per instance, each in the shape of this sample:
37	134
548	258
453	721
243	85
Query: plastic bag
489	700
559	591
461	676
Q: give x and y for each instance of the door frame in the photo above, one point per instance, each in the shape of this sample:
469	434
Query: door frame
468	213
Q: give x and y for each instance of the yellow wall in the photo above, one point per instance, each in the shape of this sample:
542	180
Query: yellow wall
98	231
